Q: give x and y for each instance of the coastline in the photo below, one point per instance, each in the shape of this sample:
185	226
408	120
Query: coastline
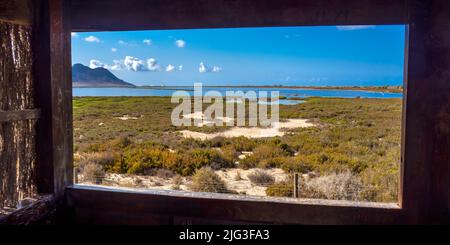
379	89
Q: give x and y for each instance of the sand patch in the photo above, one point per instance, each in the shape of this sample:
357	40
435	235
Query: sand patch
207	121
127	117
244	185
241	185
251	132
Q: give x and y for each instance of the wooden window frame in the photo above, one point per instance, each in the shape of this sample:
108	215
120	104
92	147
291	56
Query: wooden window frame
424	177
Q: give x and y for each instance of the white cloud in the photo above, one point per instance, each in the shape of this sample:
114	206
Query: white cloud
134	64
92	39
131	63
216	69
113	50
74	34
203	68
121	42
147	42
153	65
180	43
354	27
96	64
170	68
117	65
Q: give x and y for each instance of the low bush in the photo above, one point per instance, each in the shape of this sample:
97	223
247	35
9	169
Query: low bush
230	153
206	180
243	143
335	186
280	189
298	164
198	158
93	173
147	158
265	156
164	173
177	181
261	178
275	162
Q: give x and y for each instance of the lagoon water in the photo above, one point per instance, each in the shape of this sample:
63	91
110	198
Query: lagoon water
287	92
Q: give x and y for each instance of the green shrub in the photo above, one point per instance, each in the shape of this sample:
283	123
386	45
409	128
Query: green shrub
198	158
120	143
269	151
143	160
230	153
188	144
298	164
206	180
261	178
264	156
275	162
243	143
280	189
249	162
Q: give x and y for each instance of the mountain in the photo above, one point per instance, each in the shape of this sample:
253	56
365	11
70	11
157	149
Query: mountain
83	77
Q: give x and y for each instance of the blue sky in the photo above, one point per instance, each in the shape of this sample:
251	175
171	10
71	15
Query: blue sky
327	55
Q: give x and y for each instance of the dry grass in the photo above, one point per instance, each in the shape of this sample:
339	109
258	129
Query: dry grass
261	178
336	186
92	172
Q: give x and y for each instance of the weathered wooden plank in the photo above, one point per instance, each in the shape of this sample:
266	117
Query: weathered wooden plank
106	15
438	42
426	168
16	11
35	213
44	138
91	203
17	138
9	116
54	96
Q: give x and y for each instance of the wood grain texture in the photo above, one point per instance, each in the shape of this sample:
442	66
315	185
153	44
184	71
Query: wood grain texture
54	96
38	212
426	173
9	116
106	15
113	206
17	138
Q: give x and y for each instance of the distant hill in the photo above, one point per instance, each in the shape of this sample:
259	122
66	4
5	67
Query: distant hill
83	77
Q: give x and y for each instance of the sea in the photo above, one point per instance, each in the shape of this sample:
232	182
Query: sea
289	93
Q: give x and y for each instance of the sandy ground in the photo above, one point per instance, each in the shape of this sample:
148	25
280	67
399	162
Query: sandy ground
241	185
244	186
127	117
251	132
205	120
